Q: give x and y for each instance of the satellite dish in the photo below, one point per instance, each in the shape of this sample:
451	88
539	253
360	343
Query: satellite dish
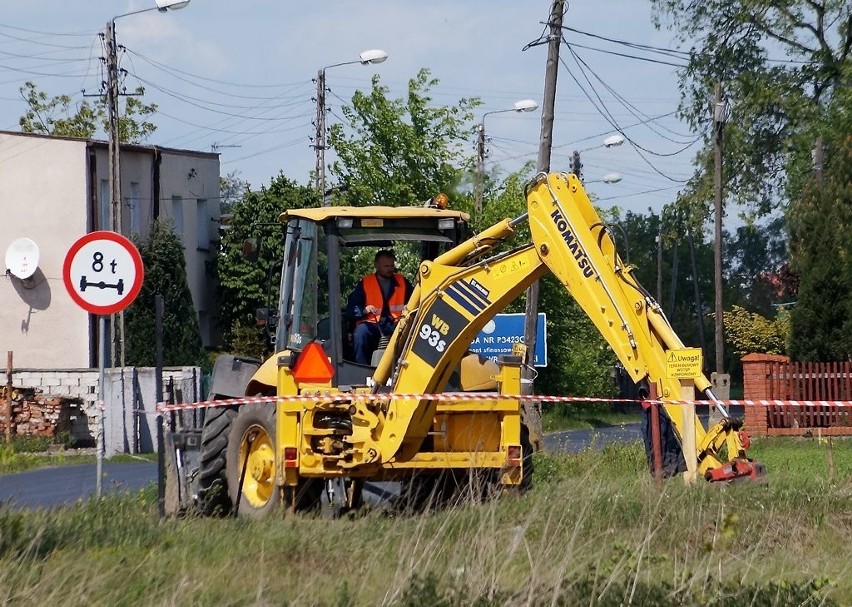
22	258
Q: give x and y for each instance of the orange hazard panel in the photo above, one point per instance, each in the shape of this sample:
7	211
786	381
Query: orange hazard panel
312	366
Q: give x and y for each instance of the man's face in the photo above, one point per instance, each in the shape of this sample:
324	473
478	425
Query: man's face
385	267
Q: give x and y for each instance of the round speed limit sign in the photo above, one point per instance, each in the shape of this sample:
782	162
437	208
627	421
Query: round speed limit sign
103	272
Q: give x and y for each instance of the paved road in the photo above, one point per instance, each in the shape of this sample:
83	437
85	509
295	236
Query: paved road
574	441
49	487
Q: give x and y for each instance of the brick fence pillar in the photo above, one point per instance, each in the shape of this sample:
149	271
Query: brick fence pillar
756	378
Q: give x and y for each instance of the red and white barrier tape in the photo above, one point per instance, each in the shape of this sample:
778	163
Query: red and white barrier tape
480	396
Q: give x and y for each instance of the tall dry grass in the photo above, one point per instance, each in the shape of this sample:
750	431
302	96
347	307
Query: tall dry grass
594	530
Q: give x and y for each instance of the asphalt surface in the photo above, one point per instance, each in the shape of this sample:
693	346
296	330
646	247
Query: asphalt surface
65	485
574	441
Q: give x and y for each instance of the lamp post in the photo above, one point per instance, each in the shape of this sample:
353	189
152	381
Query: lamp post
524	105
577	166
114	143
112	94
367	57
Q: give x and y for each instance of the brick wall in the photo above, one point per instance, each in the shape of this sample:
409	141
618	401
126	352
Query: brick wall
757	369
756	387
35	414
69	398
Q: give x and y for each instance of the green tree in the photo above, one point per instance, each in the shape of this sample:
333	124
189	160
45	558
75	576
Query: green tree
400	151
580	361
59	116
165	274
750	332
821	248
231	190
776	105
246	284
756	255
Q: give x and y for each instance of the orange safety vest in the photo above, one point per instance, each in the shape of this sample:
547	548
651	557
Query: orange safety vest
374	297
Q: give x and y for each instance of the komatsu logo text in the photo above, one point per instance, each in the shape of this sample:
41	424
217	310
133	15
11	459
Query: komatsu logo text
573	243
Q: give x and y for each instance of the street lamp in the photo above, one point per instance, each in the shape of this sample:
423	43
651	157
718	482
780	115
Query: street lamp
610	142
114	141
367	57
608	178
112	95
523	105
113	136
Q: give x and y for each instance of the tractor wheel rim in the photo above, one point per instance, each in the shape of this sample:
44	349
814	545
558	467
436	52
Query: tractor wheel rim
259	483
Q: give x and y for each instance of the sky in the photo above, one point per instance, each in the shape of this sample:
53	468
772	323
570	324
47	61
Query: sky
238	77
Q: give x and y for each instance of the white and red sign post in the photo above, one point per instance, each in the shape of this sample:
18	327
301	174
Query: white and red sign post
103	272
103	275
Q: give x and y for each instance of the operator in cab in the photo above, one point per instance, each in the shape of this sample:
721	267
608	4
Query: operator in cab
376	305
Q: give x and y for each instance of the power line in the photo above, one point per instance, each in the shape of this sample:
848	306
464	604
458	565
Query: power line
30	31
617	54
174	71
645	47
209	128
629	106
30	40
654	191
675	53
608	117
199	103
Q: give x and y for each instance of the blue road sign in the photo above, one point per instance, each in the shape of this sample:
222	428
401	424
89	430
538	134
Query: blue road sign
504	330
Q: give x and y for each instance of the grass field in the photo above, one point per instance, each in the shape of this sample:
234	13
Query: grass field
594	530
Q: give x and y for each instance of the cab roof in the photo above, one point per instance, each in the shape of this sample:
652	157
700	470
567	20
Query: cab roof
379	212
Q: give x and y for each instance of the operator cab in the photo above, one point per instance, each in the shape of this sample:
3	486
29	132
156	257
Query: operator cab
328	250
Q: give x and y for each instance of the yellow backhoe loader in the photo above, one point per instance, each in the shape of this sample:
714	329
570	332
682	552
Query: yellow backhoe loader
330	424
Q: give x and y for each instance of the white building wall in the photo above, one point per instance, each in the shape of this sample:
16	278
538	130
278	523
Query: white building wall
189	186
43	197
53	194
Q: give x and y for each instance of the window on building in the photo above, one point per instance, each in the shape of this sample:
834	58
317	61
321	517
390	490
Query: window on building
135	202
202	229
177	215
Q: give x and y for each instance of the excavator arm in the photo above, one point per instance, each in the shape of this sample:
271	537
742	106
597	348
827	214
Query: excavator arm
460	291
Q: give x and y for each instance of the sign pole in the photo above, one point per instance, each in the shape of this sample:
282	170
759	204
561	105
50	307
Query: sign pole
103	274
101	406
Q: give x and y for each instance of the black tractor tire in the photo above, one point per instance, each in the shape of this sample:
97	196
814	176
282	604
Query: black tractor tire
213	497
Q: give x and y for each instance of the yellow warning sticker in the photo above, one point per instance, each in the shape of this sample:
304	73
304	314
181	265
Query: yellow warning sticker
684	363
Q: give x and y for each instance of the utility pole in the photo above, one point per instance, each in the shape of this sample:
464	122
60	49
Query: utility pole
480	167
372	56
718	123
114	132
543	165
660	260
112	94
319	146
